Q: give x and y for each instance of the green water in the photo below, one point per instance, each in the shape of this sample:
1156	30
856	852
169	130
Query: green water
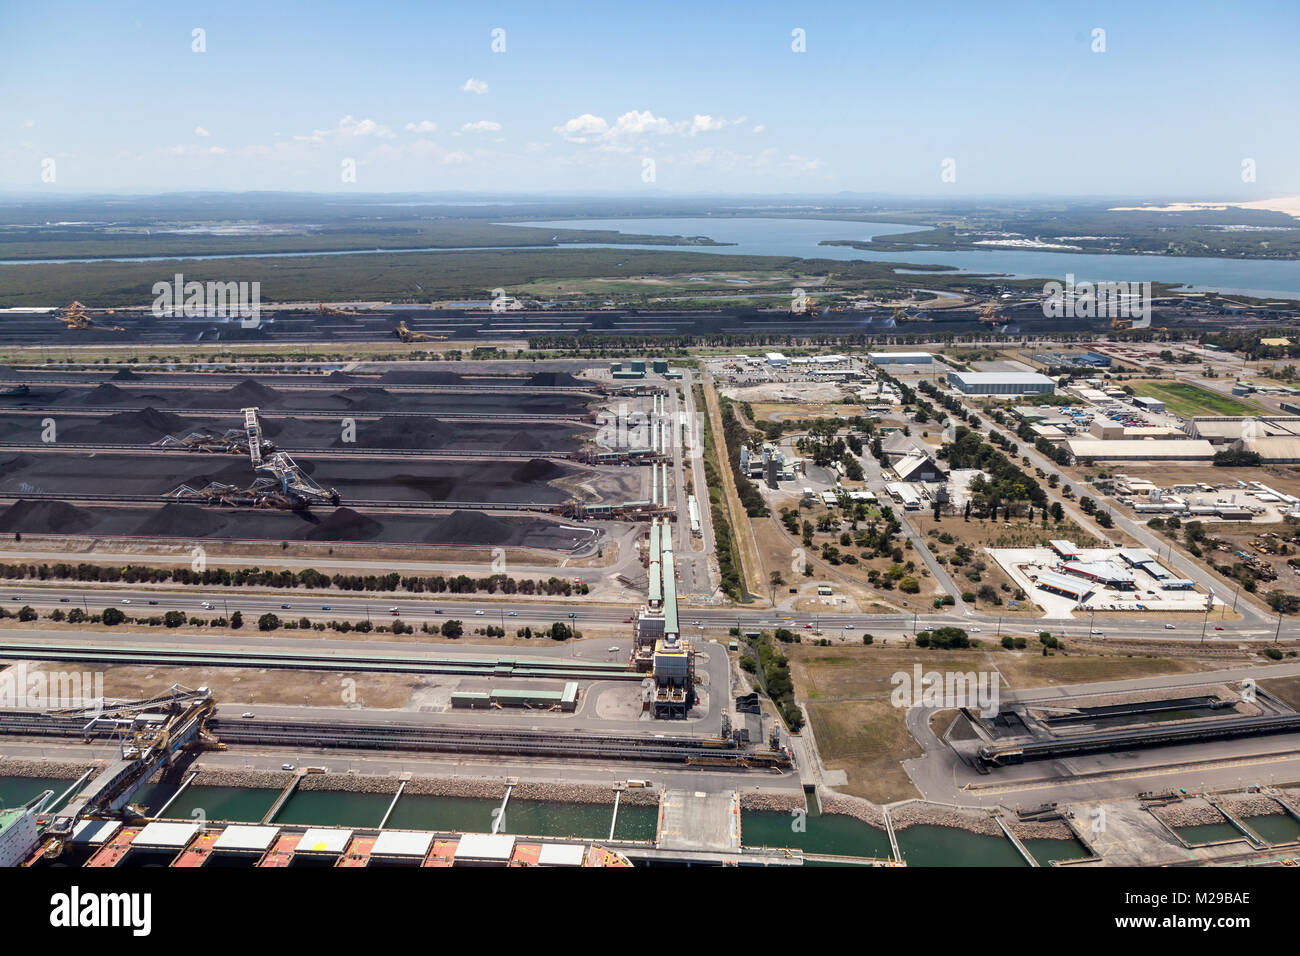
1209	833
329	808
237	804
828	833
15	791
526	817
1275	828
1045	851
947	846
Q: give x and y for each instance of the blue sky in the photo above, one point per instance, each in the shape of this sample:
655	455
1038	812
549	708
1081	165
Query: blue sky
713	94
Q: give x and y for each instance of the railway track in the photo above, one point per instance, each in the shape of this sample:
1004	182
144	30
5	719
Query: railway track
302	734
512	417
369	504
324	452
396	664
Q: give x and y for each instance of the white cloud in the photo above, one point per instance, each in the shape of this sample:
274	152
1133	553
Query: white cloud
482	126
424	126
705	124
28	124
349	127
637	124
475	86
582	129
200	131
759	128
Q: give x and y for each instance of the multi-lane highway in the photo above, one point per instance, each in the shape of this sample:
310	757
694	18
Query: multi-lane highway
513	613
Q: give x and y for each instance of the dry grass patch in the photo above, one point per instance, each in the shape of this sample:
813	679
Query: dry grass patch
868	740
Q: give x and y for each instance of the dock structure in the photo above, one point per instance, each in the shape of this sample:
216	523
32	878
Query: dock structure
499	818
1015	840
393	804
1237	823
893	836
699	821
284	796
162	811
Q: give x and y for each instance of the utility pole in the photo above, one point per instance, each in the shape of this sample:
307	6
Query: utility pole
1209	602
1278	633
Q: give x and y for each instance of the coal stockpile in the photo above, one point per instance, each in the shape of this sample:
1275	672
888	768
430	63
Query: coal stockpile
457	529
350	399
148	425
508	481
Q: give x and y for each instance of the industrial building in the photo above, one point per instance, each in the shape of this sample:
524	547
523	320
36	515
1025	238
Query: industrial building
1109	573
1073	588
918	468
777	360
1149	404
1225	429
1095	449
1001	383
1274	450
658	646
900	358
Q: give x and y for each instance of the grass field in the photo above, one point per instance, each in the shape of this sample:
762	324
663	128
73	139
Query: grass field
1190	400
868	740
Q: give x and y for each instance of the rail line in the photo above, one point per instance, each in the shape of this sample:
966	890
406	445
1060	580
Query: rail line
512	417
305	451
279	733
363	504
396	664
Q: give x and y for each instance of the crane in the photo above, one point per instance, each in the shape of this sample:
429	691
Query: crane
407	335
74	316
281	483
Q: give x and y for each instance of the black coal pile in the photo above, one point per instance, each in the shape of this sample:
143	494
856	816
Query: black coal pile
45	517
180	521
132	428
125	375
557	380
401	376
402	433
250	392
106	394
537	470
344	524
471	528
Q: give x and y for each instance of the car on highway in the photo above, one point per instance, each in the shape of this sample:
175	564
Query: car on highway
286	766
848	627
391	610
153	602
285	607
627	620
1096	630
480	612
1170	627
14	598
1218	627
973	630
247	715
437	610
324	607
64	600
571	614
395	612
807	627
206	605
514	614
126	600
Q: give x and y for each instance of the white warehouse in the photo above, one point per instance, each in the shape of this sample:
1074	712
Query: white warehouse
1001	383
